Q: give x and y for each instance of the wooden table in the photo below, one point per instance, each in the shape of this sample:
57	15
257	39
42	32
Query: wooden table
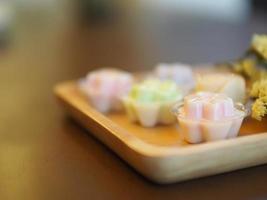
45	155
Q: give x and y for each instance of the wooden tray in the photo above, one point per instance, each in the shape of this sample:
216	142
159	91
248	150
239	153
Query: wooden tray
159	153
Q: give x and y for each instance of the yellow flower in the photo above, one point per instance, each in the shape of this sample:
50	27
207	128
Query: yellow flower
259	44
259	89
259	108
254	92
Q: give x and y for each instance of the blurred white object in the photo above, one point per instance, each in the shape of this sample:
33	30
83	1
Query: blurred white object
229	10
232	85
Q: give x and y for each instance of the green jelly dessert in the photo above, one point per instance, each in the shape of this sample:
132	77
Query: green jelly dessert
150	102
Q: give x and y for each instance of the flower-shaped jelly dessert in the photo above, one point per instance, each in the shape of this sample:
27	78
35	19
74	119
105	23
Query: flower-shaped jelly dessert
230	84
208	116
150	102
106	87
182	74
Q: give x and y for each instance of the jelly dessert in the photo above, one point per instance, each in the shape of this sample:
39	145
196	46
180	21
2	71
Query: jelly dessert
150	102
230	84
206	116
106	87
182	74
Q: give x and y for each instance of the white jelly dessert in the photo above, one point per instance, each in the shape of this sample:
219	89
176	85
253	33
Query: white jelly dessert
150	102
106	87
206	116
182	74
230	84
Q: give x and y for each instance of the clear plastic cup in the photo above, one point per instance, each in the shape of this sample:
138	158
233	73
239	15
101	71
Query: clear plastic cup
197	130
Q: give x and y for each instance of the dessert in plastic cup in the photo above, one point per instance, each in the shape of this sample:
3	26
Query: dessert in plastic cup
105	87
180	73
150	102
206	116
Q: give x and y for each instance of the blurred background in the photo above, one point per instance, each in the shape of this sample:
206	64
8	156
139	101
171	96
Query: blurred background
131	34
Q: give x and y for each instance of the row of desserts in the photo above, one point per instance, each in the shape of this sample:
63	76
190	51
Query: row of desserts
206	105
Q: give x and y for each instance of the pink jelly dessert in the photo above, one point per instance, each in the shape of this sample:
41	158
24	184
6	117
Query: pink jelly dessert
106	87
206	116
